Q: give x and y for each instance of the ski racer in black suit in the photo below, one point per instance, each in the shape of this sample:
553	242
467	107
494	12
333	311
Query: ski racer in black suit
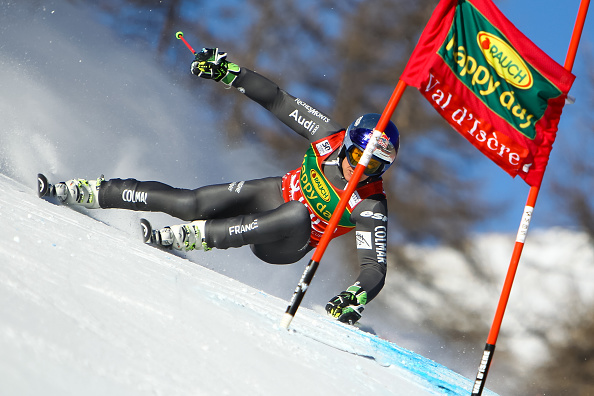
281	218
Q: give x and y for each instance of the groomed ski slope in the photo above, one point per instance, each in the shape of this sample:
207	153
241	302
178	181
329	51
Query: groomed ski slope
88	309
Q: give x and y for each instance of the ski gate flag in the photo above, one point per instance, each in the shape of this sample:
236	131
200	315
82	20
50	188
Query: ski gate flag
492	84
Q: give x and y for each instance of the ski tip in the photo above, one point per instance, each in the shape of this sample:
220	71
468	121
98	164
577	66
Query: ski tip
146	230
42	185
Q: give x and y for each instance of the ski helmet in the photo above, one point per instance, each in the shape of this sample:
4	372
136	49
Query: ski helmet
357	136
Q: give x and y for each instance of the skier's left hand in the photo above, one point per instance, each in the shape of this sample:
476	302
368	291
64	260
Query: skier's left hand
348	305
212	64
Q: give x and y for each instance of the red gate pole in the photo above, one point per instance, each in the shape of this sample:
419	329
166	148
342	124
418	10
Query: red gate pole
487	357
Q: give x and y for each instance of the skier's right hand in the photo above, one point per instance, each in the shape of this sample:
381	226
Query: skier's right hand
348	305
212	64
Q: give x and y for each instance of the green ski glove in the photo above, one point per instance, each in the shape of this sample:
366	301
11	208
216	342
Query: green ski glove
348	305
212	64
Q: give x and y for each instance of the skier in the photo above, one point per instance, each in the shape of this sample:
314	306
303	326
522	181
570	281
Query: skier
281	218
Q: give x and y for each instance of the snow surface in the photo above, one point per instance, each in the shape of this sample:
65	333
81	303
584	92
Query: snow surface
89	309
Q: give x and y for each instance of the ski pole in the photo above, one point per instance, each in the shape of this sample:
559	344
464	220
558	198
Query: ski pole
180	36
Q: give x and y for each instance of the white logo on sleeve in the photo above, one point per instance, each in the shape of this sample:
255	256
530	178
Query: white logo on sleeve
363	240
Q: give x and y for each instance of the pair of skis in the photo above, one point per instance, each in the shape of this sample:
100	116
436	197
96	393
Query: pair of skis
45	189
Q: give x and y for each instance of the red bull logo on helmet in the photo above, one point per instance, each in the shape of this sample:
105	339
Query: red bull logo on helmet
384	148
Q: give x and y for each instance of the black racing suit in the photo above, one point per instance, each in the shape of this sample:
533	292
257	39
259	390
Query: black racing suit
254	212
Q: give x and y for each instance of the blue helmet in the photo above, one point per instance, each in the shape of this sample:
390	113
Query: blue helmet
357	136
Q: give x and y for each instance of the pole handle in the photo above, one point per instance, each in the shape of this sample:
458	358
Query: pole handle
180	36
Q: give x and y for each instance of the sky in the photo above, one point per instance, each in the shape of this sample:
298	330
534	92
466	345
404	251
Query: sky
549	24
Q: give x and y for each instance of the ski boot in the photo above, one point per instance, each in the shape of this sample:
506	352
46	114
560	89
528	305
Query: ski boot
73	192
184	237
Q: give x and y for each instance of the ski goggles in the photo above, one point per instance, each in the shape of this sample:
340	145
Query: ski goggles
354	154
